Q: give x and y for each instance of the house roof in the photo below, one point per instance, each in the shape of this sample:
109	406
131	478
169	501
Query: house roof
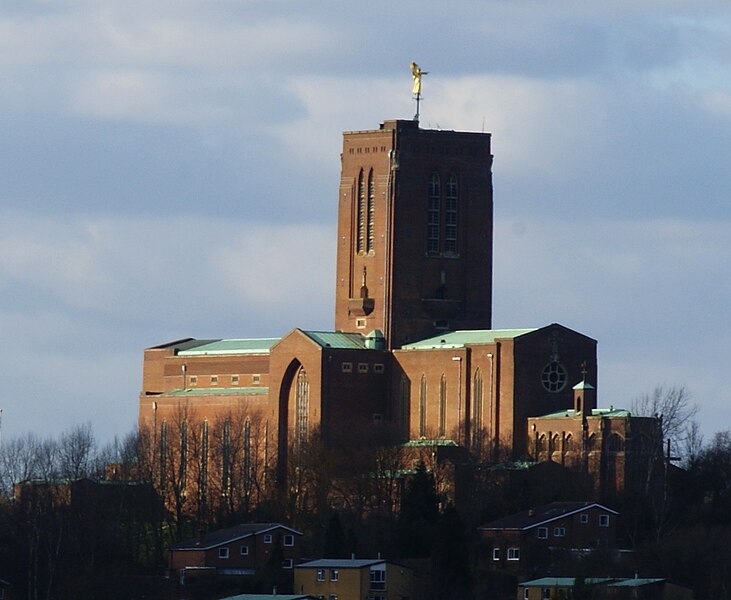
636	582
231	534
340	563
269	597
548	582
528	519
459	339
564	582
233	346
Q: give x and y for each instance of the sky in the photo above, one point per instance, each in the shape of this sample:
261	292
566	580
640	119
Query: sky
170	169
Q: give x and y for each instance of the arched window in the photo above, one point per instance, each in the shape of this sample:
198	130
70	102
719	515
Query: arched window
302	407
615	443
433	207
568	443
442	406
450	215
541	443
370	233
422	407
362	213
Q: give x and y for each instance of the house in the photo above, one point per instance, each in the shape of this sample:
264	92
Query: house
354	579
242	550
270	597
536	538
606	588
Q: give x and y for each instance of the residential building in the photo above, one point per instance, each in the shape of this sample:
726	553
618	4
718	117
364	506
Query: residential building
354	579
532	540
606	588
242	550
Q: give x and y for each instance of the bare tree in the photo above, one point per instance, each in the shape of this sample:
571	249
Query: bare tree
673	404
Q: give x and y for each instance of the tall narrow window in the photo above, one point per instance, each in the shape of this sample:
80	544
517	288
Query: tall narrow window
302	406
183	470
404	400
477	407
163	453
362	210
433	207
450	215
226	459
203	473
247	456
422	407
443	406
370	234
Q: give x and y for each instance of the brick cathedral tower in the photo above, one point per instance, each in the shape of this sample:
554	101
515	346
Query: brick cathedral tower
414	232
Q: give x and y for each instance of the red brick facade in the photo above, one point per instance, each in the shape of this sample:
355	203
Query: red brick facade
413	347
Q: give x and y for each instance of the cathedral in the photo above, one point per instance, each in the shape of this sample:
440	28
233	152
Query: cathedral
413	348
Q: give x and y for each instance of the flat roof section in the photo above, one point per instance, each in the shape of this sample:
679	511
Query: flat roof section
460	339
240	346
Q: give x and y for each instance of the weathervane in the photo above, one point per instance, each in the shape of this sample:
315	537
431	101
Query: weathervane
416	73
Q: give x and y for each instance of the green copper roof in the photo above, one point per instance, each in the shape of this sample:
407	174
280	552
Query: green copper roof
249	346
219	391
436	442
337	339
595	412
459	339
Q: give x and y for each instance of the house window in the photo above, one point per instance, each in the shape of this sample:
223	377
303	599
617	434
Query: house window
513	553
244	550
362	367
268	538
360	323
256	379
546	593
543	533
234	380
496	554
287	563
288	540
193	379
347	367
603	520
333	574
320	575
377	418
559	532
333	597
223	553
378	368
525	594
214	379
584	518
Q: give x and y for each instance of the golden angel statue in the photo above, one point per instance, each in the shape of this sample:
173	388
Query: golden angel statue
416	73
